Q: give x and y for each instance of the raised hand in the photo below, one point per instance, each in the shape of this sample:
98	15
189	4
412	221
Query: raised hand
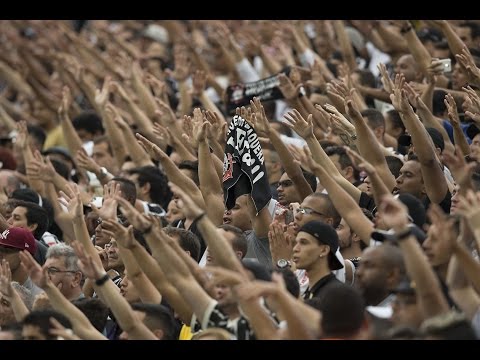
338	121
124	236
297	123
385	78
359	162
467	61
153	150
138	220
396	96
33	269
452	110
199	82
101	96
185	202
461	170
6	287
111	192
218	130
65	103
86	162
72	201
89	268
472	104
287	88
262	126
394	213
22	135
40	169
469	206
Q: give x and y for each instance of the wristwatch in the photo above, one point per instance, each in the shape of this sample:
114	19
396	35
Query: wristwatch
282	264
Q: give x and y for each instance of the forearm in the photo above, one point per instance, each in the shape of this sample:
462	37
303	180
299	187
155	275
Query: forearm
72	139
185	102
345	44
292	169
6	120
429	294
347	207
311	109
116	139
82	236
210	185
123	312
470	266
455	43
379	94
208	104
396	42
460	140
218	246
135	150
146	290
417	49
154	272
19	308
80	323
261	322
379	188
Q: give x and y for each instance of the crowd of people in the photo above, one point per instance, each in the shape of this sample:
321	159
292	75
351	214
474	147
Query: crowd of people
239	179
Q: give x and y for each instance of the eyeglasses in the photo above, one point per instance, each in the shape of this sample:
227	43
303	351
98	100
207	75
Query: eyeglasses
285	183
53	271
308	211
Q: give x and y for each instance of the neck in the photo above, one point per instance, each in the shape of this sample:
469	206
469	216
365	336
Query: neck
73	294
351	252
441	271
318	271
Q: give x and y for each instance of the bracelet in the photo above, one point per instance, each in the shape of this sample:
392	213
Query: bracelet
404	234
199	217
102	280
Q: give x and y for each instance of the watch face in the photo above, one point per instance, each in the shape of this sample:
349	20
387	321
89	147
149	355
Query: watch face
282	263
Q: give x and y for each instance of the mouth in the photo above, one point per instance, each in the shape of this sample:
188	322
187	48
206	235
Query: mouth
227	220
395	190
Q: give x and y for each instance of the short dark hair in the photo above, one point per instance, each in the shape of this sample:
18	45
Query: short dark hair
60	168
330	209
311	179
239	242
188	241
343	159
158	316
129	191
438	102
95	310
35	215
89	121
193	167
394	165
342	310
160	192
375	118
291	281
396	120
38	133
41	319
30	195
103	139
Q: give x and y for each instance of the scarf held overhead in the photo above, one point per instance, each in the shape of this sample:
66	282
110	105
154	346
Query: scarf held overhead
244	170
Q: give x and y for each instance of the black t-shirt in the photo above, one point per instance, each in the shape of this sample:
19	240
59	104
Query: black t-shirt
444	204
318	289
366	201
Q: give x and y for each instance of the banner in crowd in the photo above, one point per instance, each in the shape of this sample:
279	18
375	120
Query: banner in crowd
244	170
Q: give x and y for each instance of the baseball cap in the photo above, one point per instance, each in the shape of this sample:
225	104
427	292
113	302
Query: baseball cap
18	238
327	235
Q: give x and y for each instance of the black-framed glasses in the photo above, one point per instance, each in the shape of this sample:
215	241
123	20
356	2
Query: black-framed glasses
309	211
54	271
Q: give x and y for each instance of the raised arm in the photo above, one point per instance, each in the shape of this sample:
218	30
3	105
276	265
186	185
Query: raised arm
429	293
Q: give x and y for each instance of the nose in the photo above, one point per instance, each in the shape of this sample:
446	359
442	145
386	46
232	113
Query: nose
10	221
228	212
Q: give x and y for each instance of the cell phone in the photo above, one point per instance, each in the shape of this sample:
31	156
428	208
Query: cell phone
447	65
